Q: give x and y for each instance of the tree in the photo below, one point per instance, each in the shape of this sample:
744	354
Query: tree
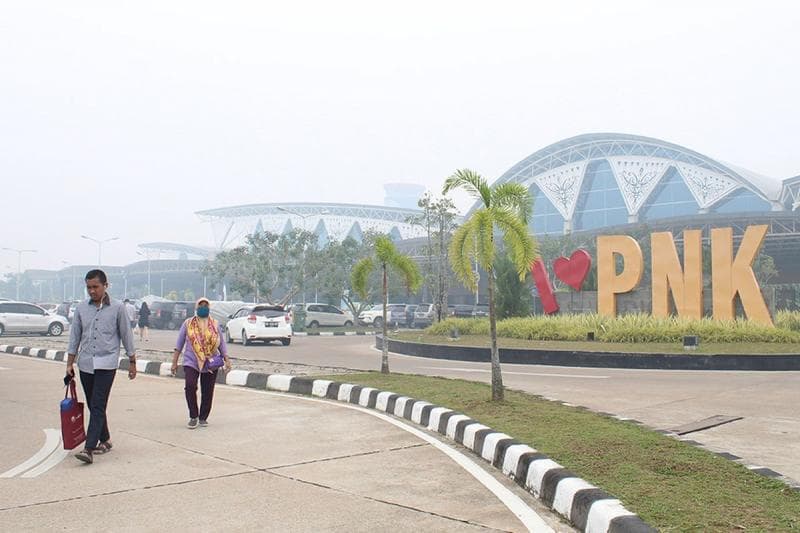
507	207
388	258
514	295
438	217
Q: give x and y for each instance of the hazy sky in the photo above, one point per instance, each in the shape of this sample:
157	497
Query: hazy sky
124	118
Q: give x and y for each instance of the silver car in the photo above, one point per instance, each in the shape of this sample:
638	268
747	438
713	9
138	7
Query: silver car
23	317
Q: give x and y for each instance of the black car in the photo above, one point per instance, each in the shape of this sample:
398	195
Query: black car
161	316
461	311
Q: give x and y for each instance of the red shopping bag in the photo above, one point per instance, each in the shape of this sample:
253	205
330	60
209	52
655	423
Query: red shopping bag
72	432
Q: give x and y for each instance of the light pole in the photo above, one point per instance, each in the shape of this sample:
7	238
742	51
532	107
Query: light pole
19	263
72	268
148	269
99	246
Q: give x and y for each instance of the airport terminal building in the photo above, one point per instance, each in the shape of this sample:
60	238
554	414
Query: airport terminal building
581	186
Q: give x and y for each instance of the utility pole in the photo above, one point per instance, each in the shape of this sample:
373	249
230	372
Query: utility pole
99	246
19	263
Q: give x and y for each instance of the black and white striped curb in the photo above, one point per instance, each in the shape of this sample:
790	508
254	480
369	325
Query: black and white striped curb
587	507
331	333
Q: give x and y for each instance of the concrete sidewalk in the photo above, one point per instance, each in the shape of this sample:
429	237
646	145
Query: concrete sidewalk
267	461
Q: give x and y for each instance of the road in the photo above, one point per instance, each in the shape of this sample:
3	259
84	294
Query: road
267	461
768	435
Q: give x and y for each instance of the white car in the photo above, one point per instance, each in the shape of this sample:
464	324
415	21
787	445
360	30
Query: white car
23	317
260	323
395	314
325	315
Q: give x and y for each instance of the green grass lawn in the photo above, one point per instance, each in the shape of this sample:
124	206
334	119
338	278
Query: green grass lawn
673	486
623	347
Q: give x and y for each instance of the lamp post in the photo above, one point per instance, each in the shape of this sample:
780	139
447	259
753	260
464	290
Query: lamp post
72	268
148	269
99	246
19	263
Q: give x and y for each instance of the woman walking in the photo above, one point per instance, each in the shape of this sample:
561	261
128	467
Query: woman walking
200	339
144	322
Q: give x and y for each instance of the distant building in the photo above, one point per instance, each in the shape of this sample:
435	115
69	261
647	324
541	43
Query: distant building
403	195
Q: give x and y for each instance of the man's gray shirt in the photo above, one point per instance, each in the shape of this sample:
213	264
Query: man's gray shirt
95	335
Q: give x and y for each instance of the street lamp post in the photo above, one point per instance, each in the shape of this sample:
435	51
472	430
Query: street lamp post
19	263
99	246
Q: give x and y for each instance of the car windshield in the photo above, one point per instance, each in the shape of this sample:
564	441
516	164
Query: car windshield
423	308
268	313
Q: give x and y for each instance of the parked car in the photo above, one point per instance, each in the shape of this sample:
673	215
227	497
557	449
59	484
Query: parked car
460	311
63	309
480	310
23	317
410	310
318	314
49	307
161	315
181	312
424	315
260	323
395	314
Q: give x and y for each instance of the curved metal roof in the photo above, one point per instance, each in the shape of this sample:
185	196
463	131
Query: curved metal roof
375	212
567	158
328	220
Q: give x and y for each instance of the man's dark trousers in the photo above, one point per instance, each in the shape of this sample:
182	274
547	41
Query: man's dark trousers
97	388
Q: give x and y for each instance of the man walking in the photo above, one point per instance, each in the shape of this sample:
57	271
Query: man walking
98	327
130	310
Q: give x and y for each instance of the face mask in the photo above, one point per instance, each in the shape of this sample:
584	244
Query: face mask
203	312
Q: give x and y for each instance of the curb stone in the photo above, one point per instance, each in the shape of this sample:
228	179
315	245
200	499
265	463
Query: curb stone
331	333
587	507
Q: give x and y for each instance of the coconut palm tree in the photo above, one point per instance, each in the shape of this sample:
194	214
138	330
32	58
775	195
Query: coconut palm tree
388	258
505	207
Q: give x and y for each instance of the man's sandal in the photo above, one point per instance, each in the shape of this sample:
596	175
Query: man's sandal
103	447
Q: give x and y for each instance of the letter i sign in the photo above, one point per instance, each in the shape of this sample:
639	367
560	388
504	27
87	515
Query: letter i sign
572	271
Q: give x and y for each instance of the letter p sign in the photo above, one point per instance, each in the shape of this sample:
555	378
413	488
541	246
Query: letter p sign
609	282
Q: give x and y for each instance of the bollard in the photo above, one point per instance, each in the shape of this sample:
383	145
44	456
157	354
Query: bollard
691	342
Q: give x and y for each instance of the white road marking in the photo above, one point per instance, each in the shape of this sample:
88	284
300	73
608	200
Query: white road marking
55	458
52	440
543	374
3	368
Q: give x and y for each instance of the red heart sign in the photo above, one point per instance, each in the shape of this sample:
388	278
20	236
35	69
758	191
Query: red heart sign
573	271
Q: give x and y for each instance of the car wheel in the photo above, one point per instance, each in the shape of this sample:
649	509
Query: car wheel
2	329
287	341
245	340
172	325
313	324
348	324
55	329
378	322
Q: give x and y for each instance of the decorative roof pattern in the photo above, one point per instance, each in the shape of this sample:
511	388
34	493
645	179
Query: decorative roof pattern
706	186
562	185
639	164
637	177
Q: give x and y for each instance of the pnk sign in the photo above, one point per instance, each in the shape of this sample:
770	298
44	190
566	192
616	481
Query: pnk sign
731	274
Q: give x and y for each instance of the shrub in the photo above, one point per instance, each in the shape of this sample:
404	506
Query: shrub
628	328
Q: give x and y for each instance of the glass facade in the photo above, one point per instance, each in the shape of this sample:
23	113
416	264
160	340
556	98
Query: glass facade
546	219
741	200
600	203
671	198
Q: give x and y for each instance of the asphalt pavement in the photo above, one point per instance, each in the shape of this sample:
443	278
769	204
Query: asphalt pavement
767	435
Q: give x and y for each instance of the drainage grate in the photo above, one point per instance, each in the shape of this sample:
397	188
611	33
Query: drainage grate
700	425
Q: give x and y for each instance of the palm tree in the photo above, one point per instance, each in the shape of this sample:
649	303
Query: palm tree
506	207
388	257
